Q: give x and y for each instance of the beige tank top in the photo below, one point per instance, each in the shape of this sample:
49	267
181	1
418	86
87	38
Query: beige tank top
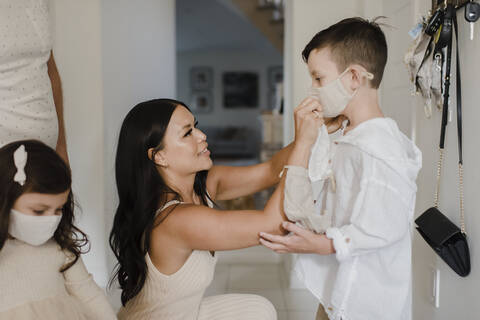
176	296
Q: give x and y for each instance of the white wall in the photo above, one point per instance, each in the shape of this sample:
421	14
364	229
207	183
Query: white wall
78	55
139	63
111	55
223	61
458	296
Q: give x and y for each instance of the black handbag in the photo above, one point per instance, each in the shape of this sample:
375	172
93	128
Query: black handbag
445	238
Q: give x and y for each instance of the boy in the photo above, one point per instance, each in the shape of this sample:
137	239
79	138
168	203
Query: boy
360	268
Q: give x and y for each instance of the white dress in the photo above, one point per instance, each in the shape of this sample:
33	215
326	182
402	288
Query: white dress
27	109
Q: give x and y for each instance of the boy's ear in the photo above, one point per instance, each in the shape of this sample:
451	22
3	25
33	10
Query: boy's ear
157	157
358	76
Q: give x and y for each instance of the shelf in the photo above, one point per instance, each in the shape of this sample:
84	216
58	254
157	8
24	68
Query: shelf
457	3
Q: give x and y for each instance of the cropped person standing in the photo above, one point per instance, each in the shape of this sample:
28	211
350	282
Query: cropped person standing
31	105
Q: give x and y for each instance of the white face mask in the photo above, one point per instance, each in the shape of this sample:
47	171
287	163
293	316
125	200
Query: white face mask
34	230
334	97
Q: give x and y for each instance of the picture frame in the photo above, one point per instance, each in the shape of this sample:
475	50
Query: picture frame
275	75
240	90
201	101
201	78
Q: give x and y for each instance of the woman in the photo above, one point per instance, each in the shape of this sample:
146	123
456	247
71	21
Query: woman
31	105
166	230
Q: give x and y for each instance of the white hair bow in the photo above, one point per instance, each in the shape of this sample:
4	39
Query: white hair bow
20	159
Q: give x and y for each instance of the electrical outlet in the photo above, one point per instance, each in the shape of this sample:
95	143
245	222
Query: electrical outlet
435	281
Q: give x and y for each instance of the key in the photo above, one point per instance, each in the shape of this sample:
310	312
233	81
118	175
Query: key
472	13
434	23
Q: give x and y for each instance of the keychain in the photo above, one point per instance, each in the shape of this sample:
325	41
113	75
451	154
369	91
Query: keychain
472	13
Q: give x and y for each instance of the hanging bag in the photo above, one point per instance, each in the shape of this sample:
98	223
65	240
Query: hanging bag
446	239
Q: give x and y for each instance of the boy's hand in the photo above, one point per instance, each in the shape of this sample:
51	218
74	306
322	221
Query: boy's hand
299	241
308	118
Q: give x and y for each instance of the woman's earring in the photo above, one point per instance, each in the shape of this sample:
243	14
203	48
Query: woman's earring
164	165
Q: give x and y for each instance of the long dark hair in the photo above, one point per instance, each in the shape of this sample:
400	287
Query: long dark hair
140	190
46	173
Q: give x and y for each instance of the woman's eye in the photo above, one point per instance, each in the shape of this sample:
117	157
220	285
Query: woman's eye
38	212
189	132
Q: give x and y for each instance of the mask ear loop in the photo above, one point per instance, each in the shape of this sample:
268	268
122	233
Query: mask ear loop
366	74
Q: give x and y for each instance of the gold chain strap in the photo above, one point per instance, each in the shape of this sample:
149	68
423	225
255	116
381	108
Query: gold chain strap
460	187
439	174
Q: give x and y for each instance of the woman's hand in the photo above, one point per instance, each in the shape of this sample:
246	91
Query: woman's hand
298	241
308	119
334	124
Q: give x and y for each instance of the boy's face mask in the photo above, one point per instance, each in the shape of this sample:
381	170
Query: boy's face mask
333	97
34	230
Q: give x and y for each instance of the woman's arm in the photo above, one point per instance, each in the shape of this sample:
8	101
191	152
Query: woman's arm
198	227
225	182
58	100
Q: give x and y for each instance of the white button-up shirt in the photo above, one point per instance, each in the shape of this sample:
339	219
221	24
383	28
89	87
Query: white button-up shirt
375	167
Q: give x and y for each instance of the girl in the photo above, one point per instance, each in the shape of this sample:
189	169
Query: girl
166	230
42	275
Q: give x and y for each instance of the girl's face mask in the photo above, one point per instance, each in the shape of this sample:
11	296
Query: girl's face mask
34	230
333	97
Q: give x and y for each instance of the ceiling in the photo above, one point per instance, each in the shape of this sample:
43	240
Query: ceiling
215	24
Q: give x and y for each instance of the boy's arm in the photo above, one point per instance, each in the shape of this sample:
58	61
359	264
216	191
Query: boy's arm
298	202
298	196
380	218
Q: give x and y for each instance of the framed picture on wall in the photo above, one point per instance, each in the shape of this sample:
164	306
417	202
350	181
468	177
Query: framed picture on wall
201	78
240	90
201	101
275	75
